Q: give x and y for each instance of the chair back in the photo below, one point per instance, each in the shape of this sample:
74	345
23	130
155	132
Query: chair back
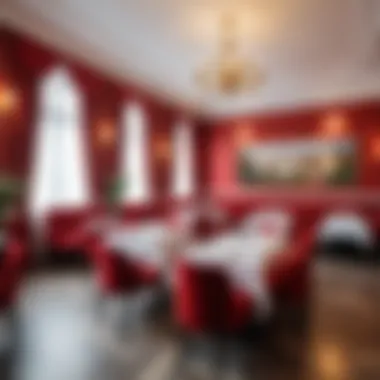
18	231
143	212
14	255
115	273
64	219
65	228
202	298
288	273
203	228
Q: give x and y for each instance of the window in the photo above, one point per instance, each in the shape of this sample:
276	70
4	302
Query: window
183	175
134	156
59	175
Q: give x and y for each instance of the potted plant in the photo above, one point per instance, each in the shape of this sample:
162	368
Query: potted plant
113	196
10	192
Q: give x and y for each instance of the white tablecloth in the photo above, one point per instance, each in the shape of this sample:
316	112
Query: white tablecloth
148	242
243	259
241	256
347	226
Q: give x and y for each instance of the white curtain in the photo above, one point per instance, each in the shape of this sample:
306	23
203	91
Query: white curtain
135	171
183	162
59	174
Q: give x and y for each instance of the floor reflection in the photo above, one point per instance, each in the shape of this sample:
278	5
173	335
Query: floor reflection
63	331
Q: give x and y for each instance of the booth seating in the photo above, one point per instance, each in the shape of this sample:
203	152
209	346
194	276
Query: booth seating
205	302
66	233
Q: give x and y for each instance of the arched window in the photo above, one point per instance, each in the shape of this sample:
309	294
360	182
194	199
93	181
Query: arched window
134	156
59	175
183	163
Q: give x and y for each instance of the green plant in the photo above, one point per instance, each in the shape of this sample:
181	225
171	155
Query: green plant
114	191
10	192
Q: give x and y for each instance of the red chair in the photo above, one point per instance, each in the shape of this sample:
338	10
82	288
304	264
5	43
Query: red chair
149	275
203	228
205	302
18	229
11	271
208	225
114	274
137	213
288	274
66	233
118	274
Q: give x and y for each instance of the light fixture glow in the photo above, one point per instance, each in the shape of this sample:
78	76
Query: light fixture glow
229	72
8	100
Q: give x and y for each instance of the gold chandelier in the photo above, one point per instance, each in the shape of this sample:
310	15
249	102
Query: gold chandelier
229	73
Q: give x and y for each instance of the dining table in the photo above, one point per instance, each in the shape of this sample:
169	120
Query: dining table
243	258
154	243
241	255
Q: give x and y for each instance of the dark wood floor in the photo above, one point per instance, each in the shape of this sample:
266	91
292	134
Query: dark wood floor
63	332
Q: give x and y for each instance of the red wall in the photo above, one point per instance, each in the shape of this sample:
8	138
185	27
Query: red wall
362	122
308	204
23	61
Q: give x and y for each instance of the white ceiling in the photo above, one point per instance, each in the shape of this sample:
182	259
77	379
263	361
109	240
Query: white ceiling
312	51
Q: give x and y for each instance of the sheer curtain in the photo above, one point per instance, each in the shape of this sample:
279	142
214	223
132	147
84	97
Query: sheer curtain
135	171
59	174
183	162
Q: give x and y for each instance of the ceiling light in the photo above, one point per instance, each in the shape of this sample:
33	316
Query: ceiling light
229	72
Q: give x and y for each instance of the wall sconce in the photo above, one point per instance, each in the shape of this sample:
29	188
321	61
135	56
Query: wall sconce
334	126
375	148
9	100
243	135
105	132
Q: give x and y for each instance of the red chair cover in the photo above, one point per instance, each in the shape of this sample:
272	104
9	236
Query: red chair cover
11	270
118	273
18	229
205	302
289	273
66	229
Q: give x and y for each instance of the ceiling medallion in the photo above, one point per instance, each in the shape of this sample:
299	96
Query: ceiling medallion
229	73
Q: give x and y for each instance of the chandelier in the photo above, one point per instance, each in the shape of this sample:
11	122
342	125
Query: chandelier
229	72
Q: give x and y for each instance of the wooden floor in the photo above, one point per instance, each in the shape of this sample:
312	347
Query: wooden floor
62	331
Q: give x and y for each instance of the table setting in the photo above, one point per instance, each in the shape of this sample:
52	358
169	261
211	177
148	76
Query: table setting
242	254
